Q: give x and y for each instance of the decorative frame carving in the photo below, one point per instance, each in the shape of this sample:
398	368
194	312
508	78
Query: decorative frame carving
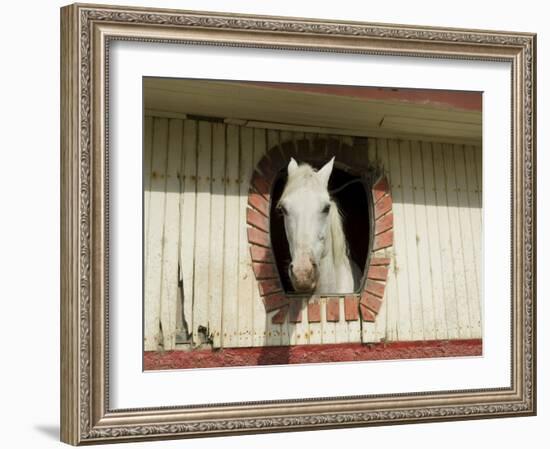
86	34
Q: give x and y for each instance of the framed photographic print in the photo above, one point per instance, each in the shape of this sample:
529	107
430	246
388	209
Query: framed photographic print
277	223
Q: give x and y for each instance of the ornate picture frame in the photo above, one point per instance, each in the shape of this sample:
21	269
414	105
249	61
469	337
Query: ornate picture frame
87	32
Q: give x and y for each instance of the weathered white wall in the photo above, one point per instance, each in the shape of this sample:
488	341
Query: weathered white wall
434	284
196	181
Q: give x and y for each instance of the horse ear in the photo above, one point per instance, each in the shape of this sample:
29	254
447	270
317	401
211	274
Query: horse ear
292	166
324	173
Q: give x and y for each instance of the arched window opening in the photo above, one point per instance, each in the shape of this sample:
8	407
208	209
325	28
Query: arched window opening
350	193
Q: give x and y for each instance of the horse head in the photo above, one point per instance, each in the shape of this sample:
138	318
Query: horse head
306	207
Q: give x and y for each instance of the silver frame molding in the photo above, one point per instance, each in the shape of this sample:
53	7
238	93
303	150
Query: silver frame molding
86	31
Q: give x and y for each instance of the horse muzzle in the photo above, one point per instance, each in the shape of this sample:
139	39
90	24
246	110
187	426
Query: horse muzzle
303	277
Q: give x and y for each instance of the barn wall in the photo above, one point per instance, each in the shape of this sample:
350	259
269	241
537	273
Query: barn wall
196	177
434	285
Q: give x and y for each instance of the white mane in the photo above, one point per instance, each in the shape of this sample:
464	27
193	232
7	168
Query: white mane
339	242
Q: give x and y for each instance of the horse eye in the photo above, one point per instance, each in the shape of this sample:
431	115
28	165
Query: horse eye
283	210
326	209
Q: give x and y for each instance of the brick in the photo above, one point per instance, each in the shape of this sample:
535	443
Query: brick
378	273
382	207
383	223
259	203
267	169
265	270
260	254
380	189
367	315
279	317
380	261
333	309
275	301
371	302
269	286
261	185
383	240
375	288
314	311
295	311
258	237
351	308
254	218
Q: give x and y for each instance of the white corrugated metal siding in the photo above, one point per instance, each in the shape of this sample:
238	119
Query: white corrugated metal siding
196	176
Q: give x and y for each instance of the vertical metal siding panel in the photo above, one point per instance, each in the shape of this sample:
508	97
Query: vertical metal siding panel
328	329
230	314
301	330
457	242
354	329
478	159
391	294
217	223
258	309
245	269
479	163
314	329
342	326
470	270
147	160
422	243
478	180
474	201
187	229
474	220
306	325
447	259
170	239
154	243
433	238
404	329
411	240
202	230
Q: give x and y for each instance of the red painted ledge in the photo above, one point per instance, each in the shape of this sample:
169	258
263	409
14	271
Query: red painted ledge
282	355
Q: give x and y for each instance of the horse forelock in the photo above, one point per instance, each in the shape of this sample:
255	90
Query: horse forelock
302	176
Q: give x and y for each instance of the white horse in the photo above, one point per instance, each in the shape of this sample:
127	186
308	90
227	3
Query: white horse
320	261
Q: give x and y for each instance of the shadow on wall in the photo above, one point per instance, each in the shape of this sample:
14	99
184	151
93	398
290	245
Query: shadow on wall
410	166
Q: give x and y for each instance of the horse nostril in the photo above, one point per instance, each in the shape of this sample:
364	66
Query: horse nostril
291	266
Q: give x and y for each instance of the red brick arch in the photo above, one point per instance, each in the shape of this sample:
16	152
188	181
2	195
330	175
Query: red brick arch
368	301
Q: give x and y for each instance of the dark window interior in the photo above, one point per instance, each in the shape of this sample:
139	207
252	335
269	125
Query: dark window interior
354	206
